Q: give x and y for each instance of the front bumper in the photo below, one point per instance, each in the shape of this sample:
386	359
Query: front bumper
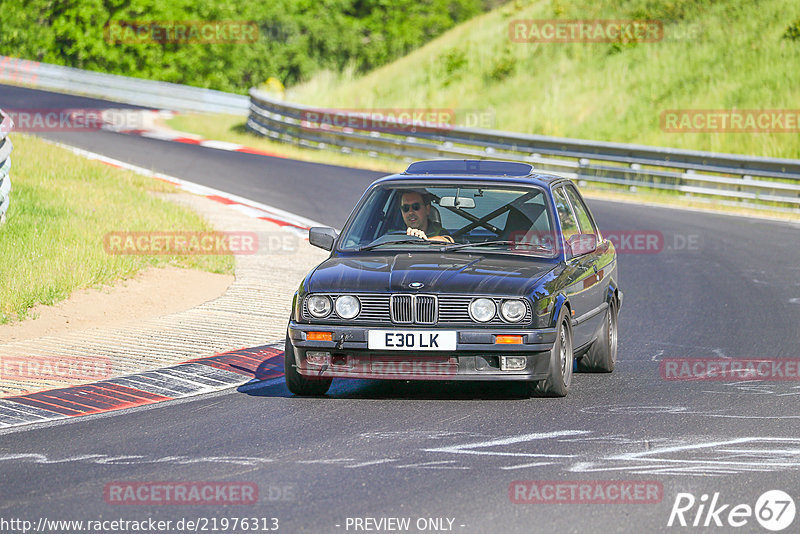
477	356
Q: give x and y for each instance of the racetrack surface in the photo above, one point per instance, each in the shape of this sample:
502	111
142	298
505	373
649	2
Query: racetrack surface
722	287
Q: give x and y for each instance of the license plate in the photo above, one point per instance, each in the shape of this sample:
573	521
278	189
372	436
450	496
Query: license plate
411	340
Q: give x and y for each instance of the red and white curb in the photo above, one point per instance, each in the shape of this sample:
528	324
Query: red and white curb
262	365
146	125
179	137
288	221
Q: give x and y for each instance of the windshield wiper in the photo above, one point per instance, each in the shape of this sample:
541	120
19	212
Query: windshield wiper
399	241
480	244
527	246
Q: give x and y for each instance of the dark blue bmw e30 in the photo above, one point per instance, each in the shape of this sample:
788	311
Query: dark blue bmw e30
459	270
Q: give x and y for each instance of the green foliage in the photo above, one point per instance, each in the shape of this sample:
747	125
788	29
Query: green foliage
793	31
503	66
296	38
453	62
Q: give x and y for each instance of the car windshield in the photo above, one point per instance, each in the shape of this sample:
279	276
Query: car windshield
492	218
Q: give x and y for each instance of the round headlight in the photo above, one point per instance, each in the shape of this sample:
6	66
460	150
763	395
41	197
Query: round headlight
482	310
347	307
319	305
513	310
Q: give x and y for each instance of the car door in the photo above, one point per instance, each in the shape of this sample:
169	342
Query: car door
597	257
581	284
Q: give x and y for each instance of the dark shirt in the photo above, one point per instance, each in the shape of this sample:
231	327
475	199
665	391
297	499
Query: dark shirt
435	229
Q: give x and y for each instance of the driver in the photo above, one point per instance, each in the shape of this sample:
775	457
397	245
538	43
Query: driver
416	209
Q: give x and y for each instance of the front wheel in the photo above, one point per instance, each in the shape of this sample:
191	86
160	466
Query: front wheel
602	356
559	377
297	383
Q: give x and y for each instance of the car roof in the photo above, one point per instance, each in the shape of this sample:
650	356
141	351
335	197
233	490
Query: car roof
507	172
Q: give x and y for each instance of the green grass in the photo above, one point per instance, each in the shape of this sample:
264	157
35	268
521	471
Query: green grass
714	55
62	206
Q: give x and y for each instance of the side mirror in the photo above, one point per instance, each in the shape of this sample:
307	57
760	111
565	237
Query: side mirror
582	244
322	237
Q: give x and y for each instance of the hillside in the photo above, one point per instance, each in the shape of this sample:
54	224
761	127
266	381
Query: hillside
229	45
717	55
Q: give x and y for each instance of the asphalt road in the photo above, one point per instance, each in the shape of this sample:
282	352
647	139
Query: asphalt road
722	287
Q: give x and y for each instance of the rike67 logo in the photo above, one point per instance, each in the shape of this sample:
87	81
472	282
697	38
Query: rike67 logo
774	510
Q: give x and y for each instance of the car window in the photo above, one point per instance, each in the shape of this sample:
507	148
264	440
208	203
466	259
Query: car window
581	212
456	219
569	226
371	220
468	215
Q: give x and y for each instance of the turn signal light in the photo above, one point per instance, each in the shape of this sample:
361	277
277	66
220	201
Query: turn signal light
514	340
319	336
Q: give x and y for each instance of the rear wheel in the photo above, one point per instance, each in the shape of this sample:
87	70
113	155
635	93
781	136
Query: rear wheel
602	356
561	361
297	383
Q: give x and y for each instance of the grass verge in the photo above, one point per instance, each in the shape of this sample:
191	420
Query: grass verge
61	208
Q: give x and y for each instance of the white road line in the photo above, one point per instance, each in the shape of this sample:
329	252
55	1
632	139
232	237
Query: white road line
373	462
522	466
466	448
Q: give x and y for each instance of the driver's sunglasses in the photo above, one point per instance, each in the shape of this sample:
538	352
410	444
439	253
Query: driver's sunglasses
415	206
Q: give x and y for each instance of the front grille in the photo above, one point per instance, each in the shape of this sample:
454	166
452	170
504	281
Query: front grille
402	309
426	309
443	310
419	309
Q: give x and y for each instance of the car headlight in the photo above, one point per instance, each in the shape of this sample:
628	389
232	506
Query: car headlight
319	306
513	311
347	307
482	310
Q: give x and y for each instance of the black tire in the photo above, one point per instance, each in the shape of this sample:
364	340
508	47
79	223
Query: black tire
561	361
602	355
297	383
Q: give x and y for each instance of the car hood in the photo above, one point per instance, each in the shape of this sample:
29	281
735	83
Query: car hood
456	273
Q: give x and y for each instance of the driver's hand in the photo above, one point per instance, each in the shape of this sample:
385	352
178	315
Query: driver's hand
416	232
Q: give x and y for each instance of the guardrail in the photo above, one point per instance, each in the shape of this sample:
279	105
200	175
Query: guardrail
6	124
147	93
766	183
